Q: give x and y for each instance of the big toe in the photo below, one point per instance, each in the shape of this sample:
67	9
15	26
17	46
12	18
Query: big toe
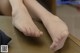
35	32
38	33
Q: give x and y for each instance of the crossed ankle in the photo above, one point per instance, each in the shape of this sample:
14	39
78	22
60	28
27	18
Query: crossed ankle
50	16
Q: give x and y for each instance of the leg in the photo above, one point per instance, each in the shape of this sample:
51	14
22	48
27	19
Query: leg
5	7
33	14
55	26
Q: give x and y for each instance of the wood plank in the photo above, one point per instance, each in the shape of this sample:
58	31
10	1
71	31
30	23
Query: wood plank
23	44
70	46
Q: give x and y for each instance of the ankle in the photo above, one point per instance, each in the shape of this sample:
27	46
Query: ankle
48	16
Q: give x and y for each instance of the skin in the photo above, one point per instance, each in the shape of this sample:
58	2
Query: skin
22	20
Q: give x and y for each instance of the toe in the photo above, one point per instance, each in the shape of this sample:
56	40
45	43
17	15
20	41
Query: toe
37	33
53	46
32	33
41	33
55	43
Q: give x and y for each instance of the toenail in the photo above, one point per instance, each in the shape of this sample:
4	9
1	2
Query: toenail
41	32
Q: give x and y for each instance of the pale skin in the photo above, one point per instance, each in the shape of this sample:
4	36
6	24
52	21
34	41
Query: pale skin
22	20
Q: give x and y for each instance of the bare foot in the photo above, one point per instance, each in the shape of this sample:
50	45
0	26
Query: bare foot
57	30
22	20
24	23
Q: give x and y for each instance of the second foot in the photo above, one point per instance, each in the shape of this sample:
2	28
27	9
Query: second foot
57	29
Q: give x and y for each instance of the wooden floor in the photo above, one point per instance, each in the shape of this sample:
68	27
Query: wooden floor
22	44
